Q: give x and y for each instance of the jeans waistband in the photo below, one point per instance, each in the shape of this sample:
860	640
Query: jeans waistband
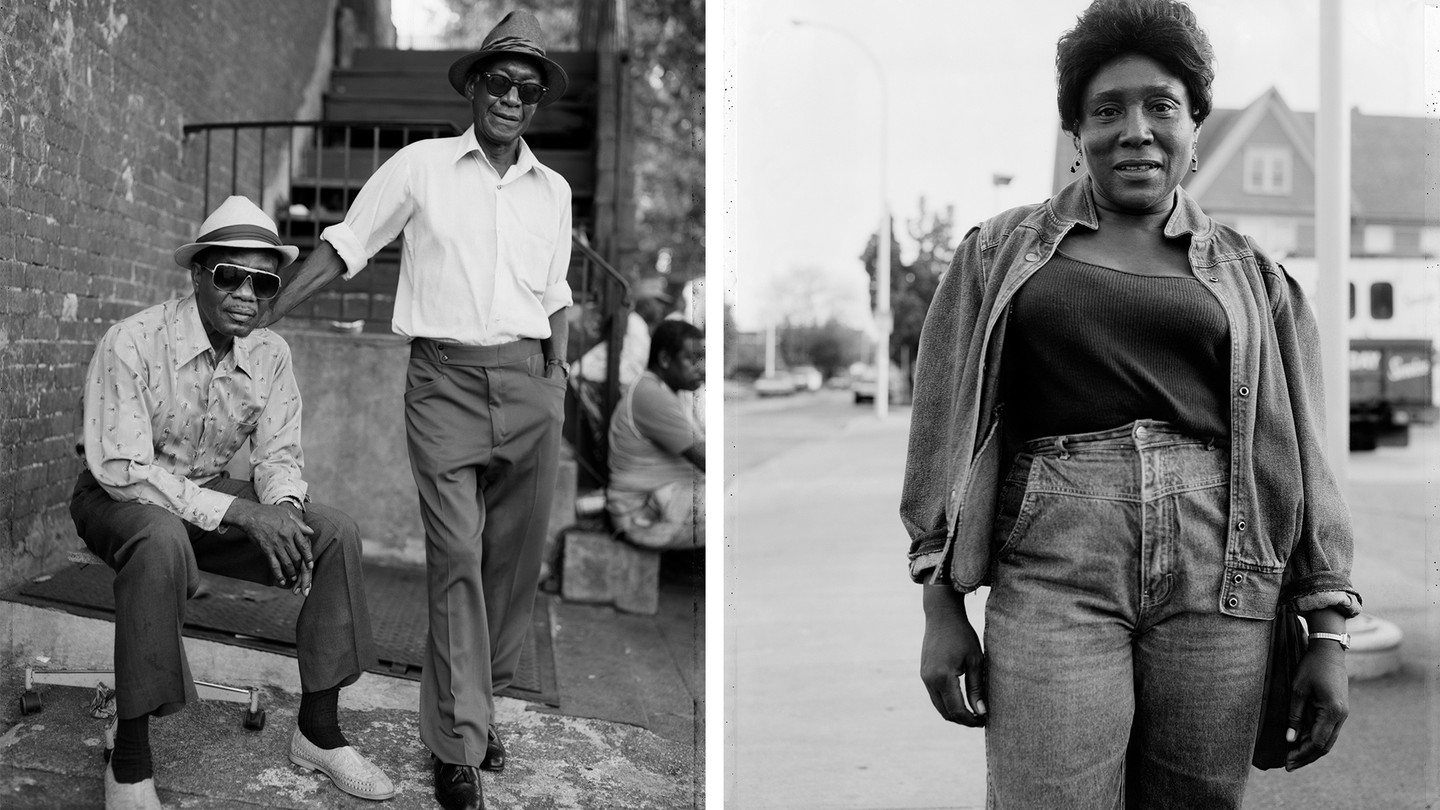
501	354
1138	435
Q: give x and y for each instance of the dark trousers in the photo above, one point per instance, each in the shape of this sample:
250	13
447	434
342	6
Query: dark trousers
157	558
483	428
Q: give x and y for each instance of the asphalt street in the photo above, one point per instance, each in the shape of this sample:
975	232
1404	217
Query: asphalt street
824	706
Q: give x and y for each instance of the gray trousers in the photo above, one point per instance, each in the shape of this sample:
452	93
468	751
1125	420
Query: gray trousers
483	428
157	558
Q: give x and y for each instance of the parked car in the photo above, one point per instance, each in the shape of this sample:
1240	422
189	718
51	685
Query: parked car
863	385
779	384
807	378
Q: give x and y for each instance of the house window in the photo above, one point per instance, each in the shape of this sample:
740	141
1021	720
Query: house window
1267	170
1351	285
1382	301
1379	239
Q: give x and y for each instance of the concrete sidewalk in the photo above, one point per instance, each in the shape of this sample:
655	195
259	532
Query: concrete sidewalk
824	705
825	708
654	666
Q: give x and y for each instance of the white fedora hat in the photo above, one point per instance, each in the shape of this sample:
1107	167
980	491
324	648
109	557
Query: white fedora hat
237	223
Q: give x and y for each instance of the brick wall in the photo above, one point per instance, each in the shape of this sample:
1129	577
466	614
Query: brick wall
98	185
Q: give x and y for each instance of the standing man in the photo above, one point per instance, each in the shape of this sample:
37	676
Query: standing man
482	295
172	393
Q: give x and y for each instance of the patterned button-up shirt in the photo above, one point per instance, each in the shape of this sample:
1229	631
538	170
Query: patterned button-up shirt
164	415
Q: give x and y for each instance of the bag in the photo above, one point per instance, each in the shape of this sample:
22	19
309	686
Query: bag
1288	641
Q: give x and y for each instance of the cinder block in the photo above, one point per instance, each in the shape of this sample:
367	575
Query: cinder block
600	568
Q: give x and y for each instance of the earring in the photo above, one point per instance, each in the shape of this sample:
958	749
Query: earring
1194	161
1076	164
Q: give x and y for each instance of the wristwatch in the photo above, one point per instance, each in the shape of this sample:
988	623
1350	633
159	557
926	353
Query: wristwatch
1342	638
555	361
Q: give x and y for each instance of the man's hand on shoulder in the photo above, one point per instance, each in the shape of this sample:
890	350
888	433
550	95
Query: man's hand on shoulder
281	532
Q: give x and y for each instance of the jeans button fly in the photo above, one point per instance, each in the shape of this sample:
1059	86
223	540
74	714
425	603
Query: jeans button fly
1141	432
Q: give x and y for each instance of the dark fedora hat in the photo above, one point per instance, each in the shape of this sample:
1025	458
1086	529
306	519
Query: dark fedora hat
518	34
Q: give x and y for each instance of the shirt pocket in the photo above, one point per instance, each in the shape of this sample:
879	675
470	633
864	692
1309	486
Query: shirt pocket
534	247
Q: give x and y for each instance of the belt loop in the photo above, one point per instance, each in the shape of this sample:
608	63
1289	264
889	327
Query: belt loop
1060	446
1210	444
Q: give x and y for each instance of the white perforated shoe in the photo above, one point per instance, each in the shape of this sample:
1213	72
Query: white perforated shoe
349	771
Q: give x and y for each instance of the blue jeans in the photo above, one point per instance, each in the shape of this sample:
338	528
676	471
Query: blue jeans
1114	680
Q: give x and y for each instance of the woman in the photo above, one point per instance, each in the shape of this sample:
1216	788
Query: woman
1117	426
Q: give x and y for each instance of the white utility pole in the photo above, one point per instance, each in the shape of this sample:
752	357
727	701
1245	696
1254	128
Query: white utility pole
1332	234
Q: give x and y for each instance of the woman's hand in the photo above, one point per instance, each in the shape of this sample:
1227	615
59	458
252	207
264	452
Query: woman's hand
950	651
1321	694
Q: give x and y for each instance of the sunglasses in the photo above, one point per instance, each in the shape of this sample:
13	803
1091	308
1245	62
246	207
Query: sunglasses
230	277
498	84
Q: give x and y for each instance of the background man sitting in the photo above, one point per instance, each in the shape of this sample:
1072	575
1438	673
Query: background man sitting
656	495
171	395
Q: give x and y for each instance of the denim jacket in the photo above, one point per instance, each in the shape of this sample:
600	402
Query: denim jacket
1289	528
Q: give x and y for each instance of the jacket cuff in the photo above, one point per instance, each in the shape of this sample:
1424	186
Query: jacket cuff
926	568
1347	602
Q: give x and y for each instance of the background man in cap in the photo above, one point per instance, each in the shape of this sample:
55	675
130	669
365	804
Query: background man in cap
482	295
171	395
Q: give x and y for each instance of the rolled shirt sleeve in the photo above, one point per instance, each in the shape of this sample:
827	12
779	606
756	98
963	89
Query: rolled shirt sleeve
381	209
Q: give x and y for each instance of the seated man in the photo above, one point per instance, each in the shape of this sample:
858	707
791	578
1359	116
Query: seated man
171	394
656	495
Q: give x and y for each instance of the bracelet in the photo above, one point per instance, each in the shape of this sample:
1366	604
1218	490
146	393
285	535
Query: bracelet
555	361
1342	638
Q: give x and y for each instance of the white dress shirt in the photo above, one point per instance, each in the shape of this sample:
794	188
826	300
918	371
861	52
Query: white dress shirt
484	259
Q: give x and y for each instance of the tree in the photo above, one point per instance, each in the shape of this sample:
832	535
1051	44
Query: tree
830	346
667	41
806	294
913	285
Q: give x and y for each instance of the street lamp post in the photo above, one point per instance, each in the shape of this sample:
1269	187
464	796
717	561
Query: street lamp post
884	319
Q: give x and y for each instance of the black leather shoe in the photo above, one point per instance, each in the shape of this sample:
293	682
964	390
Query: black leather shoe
494	753
457	787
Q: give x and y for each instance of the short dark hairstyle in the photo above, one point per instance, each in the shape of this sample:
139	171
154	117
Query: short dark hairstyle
1164	30
669	338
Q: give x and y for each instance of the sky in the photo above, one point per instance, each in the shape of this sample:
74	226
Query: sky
969	93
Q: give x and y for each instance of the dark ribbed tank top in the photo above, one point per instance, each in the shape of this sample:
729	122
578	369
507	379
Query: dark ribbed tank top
1092	348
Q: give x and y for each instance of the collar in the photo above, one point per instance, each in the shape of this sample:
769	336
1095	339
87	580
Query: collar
187	330
467	143
1075	205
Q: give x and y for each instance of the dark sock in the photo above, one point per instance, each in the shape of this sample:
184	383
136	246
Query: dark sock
320	718
130	761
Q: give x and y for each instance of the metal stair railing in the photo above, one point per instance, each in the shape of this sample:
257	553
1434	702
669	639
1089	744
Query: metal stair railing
602	286
307	173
